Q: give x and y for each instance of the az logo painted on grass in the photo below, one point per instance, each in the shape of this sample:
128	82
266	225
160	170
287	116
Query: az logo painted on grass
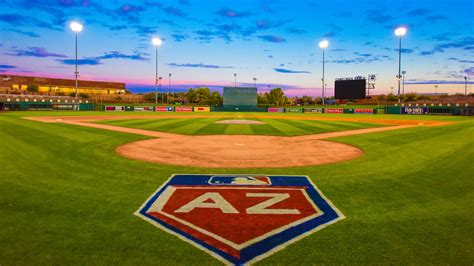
239	218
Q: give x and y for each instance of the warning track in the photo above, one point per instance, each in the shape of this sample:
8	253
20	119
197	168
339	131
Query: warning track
237	151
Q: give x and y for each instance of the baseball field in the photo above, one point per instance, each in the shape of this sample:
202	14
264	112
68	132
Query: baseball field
70	183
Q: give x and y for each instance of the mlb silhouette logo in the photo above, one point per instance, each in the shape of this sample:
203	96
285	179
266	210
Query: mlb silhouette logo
239	219
239	180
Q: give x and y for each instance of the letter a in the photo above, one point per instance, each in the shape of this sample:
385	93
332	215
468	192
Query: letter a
218	203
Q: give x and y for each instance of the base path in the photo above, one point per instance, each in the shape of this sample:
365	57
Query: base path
235	151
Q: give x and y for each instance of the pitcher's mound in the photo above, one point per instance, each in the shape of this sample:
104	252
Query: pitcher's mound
240	122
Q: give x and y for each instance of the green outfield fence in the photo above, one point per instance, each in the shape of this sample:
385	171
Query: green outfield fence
404	109
46	106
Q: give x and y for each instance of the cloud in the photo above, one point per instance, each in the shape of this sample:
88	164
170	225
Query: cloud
97	60
174	11
434	81
426	53
264	24
178	37
272	38
329	34
84	61
296	31
26	33
200	65
464	43
362	58
461	60
469	71
378	17
117	27
230	13
441	37
7	66
407	51
419	12
21	20
130	12
363	55
288	71
184	2
145	31
36	52
435	18
118	55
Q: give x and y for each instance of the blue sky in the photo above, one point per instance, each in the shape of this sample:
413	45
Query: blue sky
206	42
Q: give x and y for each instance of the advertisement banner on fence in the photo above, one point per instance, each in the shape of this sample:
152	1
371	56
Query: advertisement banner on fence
114	108
414	110
314	110
163	109
202	109
363	111
183	109
143	109
293	110
276	110
333	110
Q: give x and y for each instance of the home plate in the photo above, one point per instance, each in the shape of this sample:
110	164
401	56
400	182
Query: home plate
58	119
239	144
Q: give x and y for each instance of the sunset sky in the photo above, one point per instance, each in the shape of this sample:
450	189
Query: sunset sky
276	41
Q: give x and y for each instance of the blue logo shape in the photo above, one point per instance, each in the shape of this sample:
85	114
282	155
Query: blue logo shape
219	213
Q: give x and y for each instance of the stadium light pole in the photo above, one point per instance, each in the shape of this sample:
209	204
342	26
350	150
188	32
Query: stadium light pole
323	45
169	87
465	85
235	80
255	82
400	32
156	42
403	81
161	90
76	27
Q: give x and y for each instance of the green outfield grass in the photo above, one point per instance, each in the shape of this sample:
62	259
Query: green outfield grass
207	126
67	198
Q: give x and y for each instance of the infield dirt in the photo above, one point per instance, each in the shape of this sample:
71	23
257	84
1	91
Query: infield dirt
238	151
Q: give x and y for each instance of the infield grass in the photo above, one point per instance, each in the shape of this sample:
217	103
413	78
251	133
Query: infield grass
67	198
208	126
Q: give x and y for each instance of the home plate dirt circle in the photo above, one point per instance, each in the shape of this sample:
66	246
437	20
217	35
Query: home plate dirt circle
240	122
225	151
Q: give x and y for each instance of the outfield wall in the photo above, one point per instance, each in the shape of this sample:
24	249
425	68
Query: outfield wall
417	109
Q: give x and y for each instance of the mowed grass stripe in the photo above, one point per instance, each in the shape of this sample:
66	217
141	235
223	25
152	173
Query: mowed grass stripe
282	125
193	125
239	130
211	129
308	126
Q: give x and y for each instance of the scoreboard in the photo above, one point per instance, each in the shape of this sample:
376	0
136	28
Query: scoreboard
350	89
